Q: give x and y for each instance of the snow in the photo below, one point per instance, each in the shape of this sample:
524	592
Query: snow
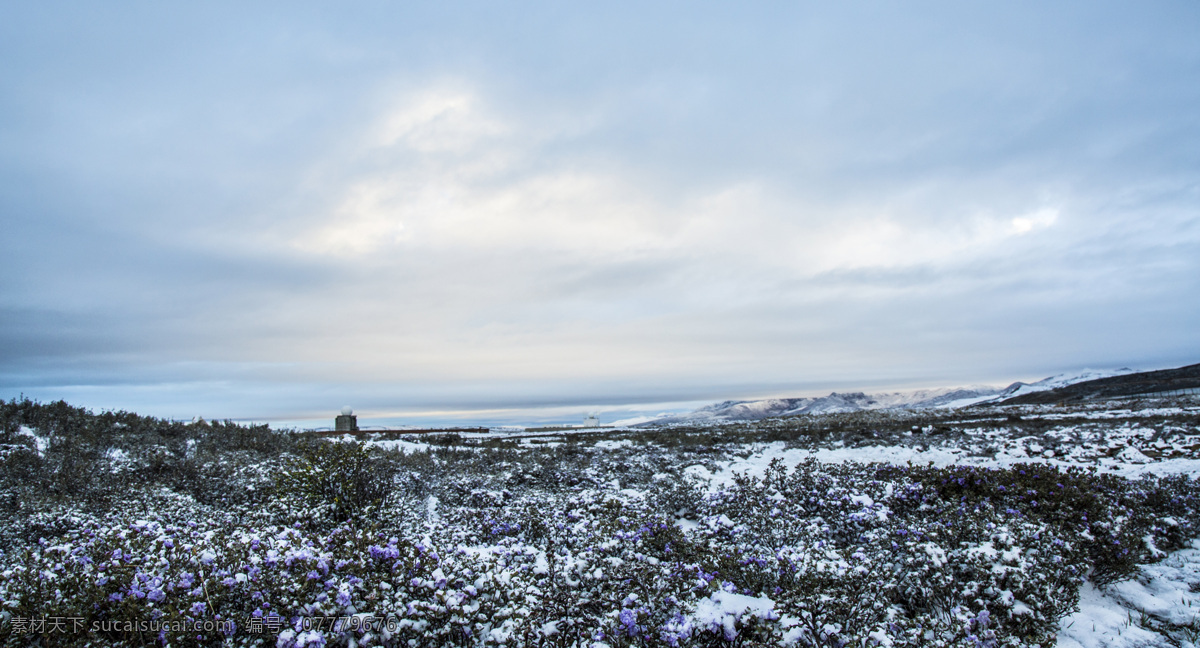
965	402
833	403
41	443
1163	591
1133	455
1102	622
987	550
612	444
642	420
1061	380
396	444
1130	463
723	609
865	500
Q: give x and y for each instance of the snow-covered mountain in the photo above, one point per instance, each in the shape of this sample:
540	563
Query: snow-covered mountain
833	403
753	410
1060	380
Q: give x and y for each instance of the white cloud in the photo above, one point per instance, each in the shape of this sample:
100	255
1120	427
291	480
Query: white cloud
1044	217
479	183
366	221
438	119
474	183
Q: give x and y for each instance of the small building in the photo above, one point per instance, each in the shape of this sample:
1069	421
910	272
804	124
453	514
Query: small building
591	421
346	421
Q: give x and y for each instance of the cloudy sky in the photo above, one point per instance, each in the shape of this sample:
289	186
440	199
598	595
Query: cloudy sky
476	210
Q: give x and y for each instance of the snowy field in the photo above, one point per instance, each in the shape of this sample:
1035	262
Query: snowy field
980	526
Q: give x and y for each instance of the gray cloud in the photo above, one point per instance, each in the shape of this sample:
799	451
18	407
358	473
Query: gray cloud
447	208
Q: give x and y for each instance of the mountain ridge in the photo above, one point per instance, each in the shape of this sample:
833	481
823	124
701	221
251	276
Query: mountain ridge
1075	385
1131	383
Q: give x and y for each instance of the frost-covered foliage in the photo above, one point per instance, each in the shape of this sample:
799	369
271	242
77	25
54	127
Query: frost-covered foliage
334	481
290	543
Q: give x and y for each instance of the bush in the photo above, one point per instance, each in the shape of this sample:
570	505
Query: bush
564	545
337	481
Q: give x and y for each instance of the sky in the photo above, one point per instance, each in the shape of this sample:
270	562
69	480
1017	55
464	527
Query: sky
473	211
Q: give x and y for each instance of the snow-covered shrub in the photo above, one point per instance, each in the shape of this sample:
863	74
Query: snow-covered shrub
853	552
678	495
336	481
1118	522
323	543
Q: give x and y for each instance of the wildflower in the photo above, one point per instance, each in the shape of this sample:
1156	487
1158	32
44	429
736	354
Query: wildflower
628	621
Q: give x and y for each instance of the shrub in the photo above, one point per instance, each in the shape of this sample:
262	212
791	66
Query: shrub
558	546
337	481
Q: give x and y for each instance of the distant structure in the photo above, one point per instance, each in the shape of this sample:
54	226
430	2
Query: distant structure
346	422
591	421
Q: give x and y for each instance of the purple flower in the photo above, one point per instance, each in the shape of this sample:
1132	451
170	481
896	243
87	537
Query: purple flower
628	621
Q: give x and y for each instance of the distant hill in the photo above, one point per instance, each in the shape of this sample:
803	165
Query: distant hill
1057	381
1125	384
1072	386
734	410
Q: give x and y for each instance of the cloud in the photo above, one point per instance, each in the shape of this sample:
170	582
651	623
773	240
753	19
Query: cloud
1045	217
481	189
366	221
439	120
449	207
